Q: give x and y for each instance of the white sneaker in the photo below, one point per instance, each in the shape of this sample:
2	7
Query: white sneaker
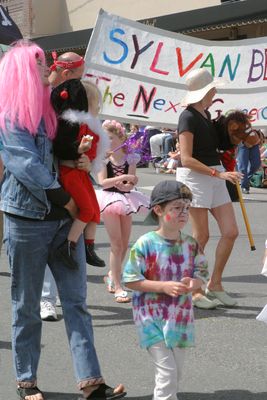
48	311
58	302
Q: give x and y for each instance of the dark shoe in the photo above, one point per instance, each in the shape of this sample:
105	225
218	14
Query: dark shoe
156	161
91	256
105	392
245	191
25	392
66	253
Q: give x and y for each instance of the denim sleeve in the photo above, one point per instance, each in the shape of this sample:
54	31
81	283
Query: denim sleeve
26	162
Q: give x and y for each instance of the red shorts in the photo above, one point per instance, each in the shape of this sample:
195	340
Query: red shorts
78	184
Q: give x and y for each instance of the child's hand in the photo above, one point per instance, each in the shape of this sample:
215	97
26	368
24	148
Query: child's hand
124	187
83	163
192	283
129	178
174	289
85	144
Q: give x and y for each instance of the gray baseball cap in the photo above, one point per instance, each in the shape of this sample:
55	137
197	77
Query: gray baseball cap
163	192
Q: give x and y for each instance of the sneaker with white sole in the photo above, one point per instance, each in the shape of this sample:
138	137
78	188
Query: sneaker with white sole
48	311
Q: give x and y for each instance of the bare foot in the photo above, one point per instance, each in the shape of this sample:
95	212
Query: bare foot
215	288
35	397
88	390
198	293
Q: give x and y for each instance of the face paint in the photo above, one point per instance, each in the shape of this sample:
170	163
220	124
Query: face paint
168	217
178	211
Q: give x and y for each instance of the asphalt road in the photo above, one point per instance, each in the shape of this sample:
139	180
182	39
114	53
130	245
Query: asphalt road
229	361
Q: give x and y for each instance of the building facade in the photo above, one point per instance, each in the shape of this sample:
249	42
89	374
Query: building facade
37	18
64	25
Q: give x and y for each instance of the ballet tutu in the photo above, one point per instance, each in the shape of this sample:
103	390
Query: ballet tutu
122	204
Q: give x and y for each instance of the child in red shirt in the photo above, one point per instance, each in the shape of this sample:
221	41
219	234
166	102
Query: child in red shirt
79	131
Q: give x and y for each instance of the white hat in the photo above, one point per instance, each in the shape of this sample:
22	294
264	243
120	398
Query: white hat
199	82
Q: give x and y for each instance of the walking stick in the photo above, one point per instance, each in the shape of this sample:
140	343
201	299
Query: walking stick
242	205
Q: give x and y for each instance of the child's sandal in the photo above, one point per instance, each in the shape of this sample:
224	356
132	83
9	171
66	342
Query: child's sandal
109	284
122	297
24	392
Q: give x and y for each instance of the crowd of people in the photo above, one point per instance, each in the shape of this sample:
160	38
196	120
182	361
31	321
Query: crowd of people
53	147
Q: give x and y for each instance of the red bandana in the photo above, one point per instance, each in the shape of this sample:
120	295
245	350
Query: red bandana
65	64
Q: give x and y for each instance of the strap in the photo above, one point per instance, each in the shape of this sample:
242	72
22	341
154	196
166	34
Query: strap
24	392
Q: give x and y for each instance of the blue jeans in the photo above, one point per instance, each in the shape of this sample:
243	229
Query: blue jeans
168	145
248	162
30	246
49	291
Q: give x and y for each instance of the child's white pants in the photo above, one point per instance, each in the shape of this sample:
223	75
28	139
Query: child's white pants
168	370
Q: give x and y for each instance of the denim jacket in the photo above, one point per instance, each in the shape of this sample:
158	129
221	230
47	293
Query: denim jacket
28	162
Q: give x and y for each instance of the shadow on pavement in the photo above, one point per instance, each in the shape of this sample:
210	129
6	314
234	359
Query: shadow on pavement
224	395
246	278
7	274
117	316
218	395
95	278
5	345
61	396
228	312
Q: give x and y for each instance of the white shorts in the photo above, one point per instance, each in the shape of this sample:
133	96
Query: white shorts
208	191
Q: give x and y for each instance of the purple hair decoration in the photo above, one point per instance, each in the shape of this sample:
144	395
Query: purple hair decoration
137	145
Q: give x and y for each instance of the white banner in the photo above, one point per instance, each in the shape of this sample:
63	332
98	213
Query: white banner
141	71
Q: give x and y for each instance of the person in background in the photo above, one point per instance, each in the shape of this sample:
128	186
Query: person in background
37	220
66	66
156	144
169	165
248	162
163	268
133	129
169	143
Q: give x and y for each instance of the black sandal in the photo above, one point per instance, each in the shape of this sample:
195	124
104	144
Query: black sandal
105	392
23	392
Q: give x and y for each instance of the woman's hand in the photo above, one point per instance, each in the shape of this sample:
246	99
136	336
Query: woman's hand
233	177
83	163
71	208
174	289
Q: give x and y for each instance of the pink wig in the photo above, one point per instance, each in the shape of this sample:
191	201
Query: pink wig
24	99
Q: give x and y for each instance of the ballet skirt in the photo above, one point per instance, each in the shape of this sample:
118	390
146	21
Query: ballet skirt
113	201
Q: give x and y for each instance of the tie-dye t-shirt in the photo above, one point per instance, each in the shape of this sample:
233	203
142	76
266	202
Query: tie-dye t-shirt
160	317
